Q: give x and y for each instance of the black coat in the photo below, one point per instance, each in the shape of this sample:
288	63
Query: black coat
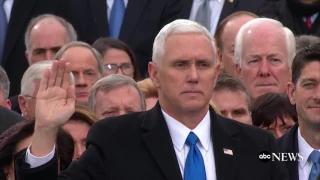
8	118
139	146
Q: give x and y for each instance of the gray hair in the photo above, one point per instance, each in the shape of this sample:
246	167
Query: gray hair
233	84
290	39
304	41
96	54
111	82
4	82
71	33
180	26
35	72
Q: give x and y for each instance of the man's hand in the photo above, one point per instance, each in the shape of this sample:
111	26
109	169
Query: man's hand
55	104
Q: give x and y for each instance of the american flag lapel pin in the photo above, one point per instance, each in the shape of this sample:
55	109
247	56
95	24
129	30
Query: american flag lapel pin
227	151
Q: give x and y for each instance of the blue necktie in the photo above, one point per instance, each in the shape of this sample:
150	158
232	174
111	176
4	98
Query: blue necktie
315	170
194	168
3	28
116	17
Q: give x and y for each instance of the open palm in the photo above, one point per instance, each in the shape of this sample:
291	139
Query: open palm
55	101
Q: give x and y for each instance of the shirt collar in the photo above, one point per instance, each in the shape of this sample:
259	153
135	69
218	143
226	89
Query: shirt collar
304	148
180	132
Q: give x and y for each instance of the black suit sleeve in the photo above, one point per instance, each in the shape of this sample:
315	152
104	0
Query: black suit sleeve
278	169
90	166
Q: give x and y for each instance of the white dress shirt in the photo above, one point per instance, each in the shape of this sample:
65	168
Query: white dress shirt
216	8
179	134
7	8
109	6
312	18
305	165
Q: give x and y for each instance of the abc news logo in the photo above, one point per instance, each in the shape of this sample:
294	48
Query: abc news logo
265	156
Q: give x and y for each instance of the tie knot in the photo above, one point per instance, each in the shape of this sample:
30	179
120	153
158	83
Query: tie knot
192	139
315	156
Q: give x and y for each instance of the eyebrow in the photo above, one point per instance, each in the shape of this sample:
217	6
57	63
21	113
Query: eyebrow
239	109
51	48
308	79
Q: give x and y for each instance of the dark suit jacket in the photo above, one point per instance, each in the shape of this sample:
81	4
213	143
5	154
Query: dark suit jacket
15	104
139	146
8	118
258	7
14	60
295	23
289	143
142	21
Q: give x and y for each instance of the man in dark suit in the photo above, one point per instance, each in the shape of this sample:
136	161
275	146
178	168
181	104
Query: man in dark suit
8	118
141	22
304	137
222	9
180	138
18	14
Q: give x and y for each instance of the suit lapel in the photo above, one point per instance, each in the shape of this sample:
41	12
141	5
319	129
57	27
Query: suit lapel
131	17
186	9
159	143
227	9
19	14
100	16
224	138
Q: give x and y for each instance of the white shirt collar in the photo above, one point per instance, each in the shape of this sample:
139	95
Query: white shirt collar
180	132
304	148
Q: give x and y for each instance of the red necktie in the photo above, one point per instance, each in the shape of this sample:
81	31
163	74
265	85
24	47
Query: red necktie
308	22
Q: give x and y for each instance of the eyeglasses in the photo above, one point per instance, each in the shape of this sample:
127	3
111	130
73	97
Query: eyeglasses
126	68
30	96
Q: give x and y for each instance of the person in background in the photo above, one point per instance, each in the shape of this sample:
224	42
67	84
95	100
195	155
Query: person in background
232	98
8	118
29	88
264	50
86	67
302	17
18	137
4	89
116	95
78	127
45	35
150	92
117	58
274	112
304	41
304	137
225	37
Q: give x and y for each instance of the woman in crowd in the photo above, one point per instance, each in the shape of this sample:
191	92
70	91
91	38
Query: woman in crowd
274	112
18	137
150	92
78	127
118	58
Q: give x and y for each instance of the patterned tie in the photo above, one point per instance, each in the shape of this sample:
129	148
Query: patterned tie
308	22
194	168
3	28
204	14
116	17
315	170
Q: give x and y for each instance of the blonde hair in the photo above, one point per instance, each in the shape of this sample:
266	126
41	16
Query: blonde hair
148	89
211	103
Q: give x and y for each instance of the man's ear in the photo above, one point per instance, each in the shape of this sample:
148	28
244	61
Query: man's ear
153	69
8	104
22	105
291	93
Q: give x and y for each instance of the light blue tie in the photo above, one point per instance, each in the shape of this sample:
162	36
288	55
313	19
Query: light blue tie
315	170
116	17
194	168
203	15
3	28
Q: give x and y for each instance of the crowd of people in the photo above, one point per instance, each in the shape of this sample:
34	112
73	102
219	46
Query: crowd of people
170	89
